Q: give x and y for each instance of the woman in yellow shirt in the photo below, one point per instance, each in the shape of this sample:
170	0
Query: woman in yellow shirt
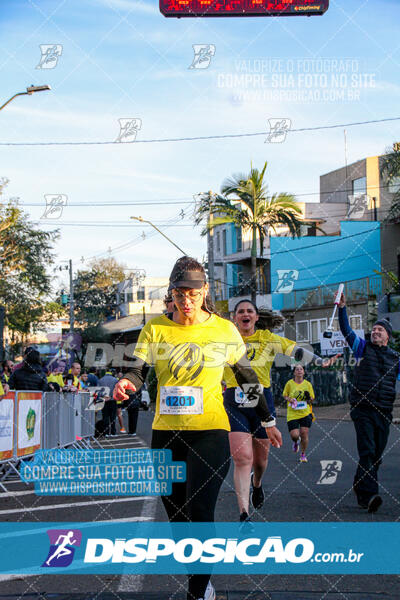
299	393
189	349
248	440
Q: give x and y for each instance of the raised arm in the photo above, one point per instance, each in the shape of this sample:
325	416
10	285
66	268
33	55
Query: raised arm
356	343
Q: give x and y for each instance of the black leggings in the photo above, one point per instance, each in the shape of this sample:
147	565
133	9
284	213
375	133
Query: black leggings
207	458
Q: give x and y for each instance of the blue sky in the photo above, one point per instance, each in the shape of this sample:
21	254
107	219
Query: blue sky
123	59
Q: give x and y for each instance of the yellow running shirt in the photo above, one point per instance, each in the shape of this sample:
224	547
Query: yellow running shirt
189	361
56	379
296	390
262	347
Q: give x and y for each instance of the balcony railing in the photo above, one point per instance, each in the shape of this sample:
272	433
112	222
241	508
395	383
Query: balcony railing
236	291
357	289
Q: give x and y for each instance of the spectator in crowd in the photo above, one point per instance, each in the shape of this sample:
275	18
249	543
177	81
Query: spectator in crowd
19	363
92	379
84	380
373	393
2	391
110	406
7	366
72	379
132	406
30	376
55	377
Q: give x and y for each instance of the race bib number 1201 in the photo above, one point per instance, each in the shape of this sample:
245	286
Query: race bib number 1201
181	400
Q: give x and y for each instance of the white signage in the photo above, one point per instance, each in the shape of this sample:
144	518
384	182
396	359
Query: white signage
336	344
6	425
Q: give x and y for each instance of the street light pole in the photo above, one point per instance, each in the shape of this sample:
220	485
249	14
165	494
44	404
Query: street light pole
210	251
71	299
29	91
159	231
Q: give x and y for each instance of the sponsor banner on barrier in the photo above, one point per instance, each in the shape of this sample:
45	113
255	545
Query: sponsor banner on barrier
7	426
224	548
29	422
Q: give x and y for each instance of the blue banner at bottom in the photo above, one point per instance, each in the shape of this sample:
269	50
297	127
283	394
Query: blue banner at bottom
220	548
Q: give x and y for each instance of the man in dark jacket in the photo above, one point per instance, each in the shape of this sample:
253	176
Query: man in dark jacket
372	397
30	376
110	406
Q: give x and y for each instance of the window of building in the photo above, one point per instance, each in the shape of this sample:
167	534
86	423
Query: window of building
318	326
129	297
141	293
239	244
302	332
218	239
224	242
156	293
359	186
355	321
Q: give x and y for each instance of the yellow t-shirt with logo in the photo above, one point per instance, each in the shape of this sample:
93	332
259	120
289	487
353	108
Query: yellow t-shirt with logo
296	390
262	347
191	356
56	379
1	389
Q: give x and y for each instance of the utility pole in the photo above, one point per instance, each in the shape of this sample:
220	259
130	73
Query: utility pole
210	252
71	299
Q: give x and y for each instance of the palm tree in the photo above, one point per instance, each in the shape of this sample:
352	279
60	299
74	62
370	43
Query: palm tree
390	168
251	209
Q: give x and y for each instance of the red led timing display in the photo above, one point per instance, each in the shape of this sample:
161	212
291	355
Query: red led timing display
242	8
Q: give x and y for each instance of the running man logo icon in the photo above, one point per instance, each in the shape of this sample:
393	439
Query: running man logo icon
358	205
128	129
286	280
50	55
278	129
54	206
330	471
203	54
61	551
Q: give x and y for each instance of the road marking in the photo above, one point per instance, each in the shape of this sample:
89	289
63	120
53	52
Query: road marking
135	583
12	494
73	504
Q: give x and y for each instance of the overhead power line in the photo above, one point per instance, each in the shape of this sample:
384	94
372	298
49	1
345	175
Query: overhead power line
198	138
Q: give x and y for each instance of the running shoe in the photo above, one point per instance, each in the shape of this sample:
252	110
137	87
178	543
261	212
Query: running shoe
209	594
295	446
257	495
374	503
246	526
303	458
244	517
122	430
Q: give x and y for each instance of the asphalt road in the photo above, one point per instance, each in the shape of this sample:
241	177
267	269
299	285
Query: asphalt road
292	494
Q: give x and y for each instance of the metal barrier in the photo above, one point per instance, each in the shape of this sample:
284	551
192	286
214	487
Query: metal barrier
30	420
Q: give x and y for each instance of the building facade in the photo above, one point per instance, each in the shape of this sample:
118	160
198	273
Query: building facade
347	239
